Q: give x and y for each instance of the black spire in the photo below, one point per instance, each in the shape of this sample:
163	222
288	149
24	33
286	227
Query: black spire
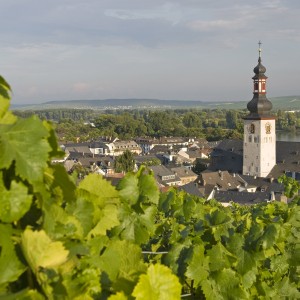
259	106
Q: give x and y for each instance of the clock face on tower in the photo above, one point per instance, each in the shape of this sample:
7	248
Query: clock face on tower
268	128
251	128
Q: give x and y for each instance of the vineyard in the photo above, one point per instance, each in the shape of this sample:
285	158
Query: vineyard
62	240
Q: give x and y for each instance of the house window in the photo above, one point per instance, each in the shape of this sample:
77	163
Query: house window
256	169
250	138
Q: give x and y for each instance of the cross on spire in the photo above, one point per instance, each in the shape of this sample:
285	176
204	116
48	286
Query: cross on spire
259	49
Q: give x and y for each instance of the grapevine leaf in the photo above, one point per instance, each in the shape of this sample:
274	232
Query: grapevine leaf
228	285
56	152
108	220
269	236
41	251
287	290
129	189
148	189
136	227
62	181
10	266
26	134
118	296
219	257
14	202
6	117
5	88
122	262
158	284
211	290
84	211
197	269
25	294
140	187
84	284
245	262
98	190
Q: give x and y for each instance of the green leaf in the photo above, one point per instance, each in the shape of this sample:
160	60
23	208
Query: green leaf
41	251
122	260
219	257
158	284
84	211
25	142
197	269
96	189
148	189
26	294
129	189
136	227
108	220
228	285
61	182
139	187
83	284
269	236
6	117
10	266
56	151
14	202
118	296
59	224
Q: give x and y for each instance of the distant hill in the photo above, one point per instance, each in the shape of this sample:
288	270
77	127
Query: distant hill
284	103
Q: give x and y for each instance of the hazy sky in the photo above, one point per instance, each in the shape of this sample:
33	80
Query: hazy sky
188	49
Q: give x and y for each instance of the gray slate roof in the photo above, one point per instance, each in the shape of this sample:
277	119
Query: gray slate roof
228	155
244	198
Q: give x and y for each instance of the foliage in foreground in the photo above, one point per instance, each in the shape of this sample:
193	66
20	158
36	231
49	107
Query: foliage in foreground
93	241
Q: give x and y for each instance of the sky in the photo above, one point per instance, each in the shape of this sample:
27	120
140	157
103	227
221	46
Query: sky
179	49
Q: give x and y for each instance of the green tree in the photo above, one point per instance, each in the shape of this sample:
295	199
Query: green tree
231	119
124	162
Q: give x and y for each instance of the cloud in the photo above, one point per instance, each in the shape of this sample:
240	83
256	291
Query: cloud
169	12
214	25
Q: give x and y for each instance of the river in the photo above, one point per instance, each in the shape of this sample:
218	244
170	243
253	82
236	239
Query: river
288	136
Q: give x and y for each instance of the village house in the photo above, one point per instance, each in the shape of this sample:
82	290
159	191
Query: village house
186	176
165	177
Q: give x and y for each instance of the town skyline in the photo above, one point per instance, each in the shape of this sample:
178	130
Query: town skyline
73	50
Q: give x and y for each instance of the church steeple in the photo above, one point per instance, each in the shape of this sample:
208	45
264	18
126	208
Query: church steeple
259	155
259	106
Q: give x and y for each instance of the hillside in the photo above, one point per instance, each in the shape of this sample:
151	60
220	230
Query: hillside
284	102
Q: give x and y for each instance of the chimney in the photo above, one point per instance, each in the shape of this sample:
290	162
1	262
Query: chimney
221	174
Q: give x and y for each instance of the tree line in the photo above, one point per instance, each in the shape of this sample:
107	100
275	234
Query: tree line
212	124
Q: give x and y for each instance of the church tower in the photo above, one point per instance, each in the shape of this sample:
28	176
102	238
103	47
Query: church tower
259	128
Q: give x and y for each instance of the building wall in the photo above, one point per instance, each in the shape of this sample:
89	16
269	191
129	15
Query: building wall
259	155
